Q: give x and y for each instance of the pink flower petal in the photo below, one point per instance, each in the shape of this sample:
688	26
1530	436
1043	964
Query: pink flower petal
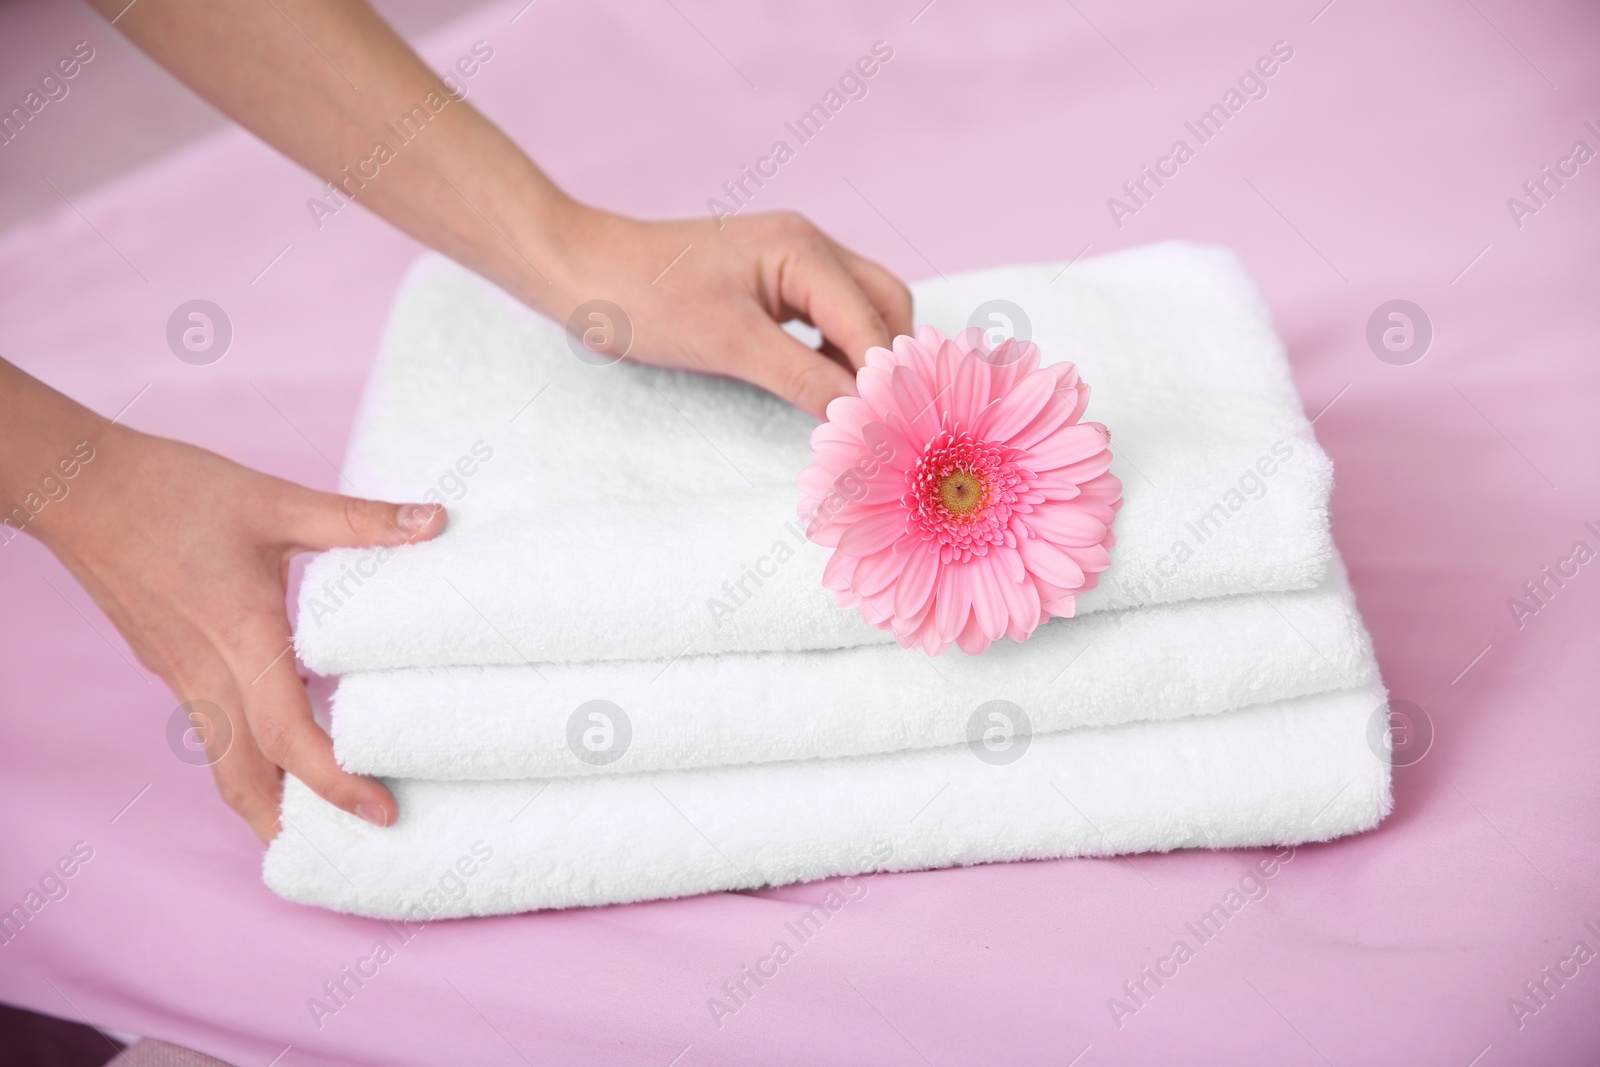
890	443
917	579
1088	558
1011	412
972	639
988	603
1056	413
1067	446
952	603
875	386
839	572
834	454
929	339
846	414
1052	564
1082	404
874	573
1086	470
873	532
1010	563
1063	607
971	392
1064	524
1023	611
915	402
878	356
1103	486
1054	488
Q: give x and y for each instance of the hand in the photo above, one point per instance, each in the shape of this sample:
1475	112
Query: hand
717	308
470	192
188	554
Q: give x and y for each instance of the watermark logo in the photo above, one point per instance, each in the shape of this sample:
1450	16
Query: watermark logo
1399	332
599	732
1399	732
199	733
1001	321
199	332
599	332
999	733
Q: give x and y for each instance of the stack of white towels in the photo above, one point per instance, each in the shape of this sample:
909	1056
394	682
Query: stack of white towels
617	676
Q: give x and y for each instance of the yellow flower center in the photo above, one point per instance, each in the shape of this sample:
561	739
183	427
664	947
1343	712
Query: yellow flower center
961	492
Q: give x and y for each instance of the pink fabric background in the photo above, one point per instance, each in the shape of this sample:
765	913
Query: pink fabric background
1378	167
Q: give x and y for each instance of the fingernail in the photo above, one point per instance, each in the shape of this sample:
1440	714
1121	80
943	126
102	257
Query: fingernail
373	813
414	518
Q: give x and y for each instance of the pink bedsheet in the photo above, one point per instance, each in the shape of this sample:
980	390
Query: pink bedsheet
1377	167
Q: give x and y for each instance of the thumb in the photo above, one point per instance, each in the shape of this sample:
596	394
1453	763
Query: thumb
803	376
329	520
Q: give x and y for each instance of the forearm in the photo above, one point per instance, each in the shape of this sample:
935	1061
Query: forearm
332	87
47	444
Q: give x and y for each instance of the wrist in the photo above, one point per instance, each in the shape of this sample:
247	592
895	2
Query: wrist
46	497
51	447
551	243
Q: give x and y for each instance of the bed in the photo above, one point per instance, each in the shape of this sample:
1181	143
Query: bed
1376	163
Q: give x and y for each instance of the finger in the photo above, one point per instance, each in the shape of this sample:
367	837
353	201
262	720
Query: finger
817	285
887	293
327	520
245	780
279	716
250	784
783	366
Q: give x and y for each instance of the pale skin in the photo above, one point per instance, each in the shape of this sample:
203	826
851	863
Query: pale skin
188	552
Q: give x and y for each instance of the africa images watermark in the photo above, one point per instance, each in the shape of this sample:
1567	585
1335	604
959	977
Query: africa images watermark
1138	992
852	85
1252	485
51	887
849	486
449	488
1540	990
1252	85
741	989
1538	191
52	88
346	188
1540	590
53	488
340	990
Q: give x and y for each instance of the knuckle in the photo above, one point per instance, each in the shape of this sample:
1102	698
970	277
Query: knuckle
902	297
358	516
275	739
235	794
795	226
801	378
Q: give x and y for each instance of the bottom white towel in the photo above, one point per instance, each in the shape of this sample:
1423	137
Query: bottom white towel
1302	770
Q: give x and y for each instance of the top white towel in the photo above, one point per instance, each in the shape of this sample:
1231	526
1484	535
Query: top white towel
662	521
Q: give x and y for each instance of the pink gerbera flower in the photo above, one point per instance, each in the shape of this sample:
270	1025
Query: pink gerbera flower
963	498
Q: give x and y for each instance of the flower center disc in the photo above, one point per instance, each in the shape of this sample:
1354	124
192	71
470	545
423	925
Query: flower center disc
961	492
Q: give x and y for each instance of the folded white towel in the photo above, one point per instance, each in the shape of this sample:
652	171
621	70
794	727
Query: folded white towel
1193	658
622	512
1285	773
